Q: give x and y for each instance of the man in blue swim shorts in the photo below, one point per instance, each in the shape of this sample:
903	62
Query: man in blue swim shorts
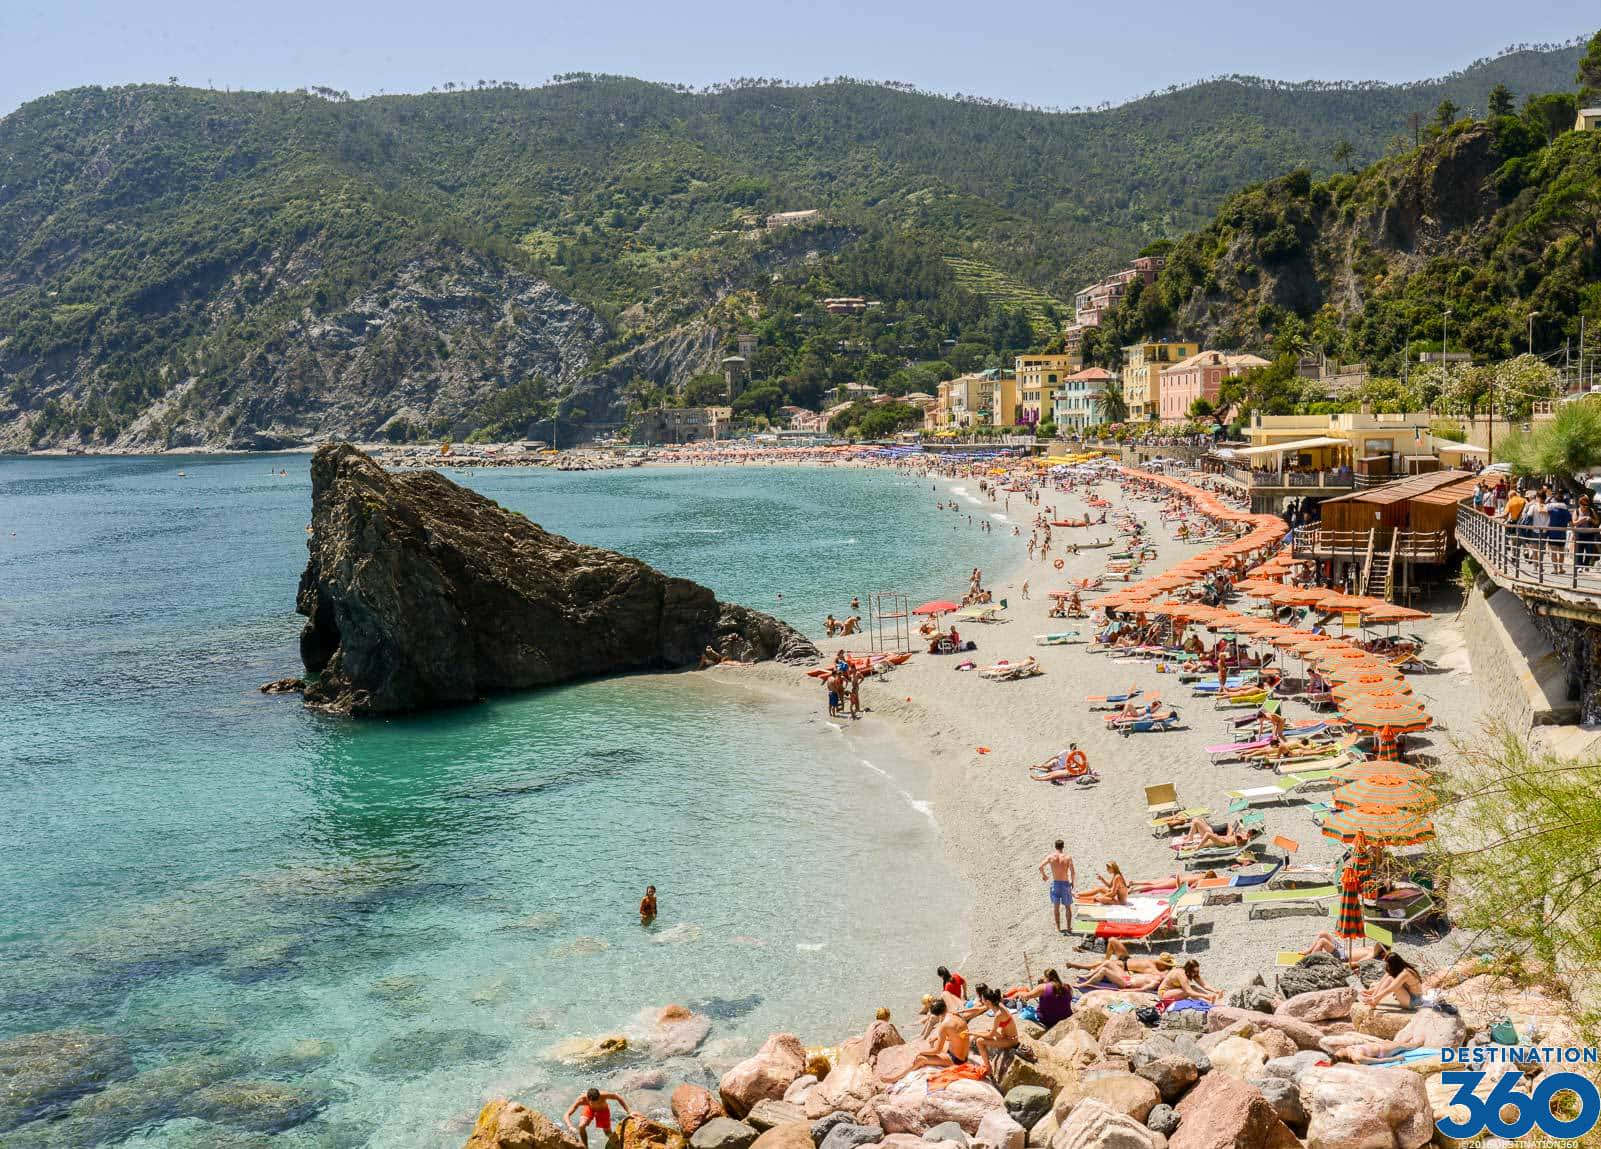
1057	869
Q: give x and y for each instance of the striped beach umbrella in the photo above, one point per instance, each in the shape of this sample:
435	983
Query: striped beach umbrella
1343	692
1385	769
1351	926
1385	790
1351	671
1381	825
1387	715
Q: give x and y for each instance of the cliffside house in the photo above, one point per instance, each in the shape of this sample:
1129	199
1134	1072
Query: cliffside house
1589	120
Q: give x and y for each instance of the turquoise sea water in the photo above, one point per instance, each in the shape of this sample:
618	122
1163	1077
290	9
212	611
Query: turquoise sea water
306	931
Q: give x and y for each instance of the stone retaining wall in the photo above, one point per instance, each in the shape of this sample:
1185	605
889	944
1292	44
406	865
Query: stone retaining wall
1526	681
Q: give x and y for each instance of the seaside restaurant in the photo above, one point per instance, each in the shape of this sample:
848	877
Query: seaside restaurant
1322	455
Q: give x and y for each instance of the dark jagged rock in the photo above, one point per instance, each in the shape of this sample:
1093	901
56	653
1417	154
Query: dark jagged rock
421	593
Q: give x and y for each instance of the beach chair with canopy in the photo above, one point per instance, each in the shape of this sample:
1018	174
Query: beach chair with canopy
1166	815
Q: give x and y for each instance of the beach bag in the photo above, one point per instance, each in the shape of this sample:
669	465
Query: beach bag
1147	1015
1504	1032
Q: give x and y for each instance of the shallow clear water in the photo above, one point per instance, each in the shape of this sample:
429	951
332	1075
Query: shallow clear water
391	921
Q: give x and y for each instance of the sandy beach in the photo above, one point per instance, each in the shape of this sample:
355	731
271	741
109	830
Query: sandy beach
997	824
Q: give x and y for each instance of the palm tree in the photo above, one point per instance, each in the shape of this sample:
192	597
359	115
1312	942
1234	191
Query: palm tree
1114	408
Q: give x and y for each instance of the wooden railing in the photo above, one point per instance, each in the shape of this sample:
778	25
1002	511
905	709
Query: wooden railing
1407	546
1568	559
1337	478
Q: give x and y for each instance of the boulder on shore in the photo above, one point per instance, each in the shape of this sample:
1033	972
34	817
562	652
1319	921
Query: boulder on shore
422	593
766	1074
1367	1106
505	1124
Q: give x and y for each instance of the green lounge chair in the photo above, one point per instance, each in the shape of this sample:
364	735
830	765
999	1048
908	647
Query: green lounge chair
1312	898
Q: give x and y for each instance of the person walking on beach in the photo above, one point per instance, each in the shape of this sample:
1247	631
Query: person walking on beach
596	1108
856	693
1024	591
1061	875
836	686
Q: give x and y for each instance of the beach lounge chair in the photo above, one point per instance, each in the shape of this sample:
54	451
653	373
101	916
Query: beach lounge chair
1061	638
1210	857
1110	701
1306	899
1162	800
1138	924
1150	723
1252	700
1292	876
1401	908
1235	681
1166	815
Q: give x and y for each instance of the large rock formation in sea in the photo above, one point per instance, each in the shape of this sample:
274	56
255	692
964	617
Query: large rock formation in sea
422	593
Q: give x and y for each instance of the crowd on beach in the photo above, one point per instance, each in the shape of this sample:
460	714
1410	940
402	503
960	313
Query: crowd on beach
1376	1009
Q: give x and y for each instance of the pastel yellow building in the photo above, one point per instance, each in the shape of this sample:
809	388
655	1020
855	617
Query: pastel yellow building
987	399
1142	375
1039	378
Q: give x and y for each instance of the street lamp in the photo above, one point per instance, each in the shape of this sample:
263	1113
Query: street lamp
1444	342
1532	314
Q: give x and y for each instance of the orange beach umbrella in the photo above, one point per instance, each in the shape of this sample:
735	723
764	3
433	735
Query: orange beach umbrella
1400	715
1382	825
1385	790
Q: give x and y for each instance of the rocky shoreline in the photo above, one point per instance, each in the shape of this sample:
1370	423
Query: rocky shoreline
1268	1070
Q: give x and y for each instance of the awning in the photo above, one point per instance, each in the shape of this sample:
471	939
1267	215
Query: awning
1297	445
1447	446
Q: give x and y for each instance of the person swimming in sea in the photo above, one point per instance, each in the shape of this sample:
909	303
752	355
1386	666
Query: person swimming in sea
647	906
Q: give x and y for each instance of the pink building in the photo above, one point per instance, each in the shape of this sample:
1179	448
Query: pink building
1199	377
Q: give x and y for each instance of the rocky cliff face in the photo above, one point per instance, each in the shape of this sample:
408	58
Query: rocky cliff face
421	593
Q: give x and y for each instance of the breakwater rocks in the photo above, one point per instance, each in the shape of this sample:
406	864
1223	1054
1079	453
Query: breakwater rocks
1269	1070
421	593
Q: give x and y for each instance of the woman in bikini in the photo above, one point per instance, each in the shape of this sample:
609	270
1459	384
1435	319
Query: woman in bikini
1401	981
1202	834
1111	890
1186	982
1141	973
1002	1035
1327	943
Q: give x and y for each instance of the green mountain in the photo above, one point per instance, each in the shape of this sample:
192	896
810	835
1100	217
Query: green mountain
188	267
1497	221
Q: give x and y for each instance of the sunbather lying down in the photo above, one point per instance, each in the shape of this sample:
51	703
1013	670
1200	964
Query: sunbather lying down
1116	971
1167	884
1355	954
1202	834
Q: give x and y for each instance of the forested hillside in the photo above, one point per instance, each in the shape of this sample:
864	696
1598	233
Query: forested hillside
1496	220
189	267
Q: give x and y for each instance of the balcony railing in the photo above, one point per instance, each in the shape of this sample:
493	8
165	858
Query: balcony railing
1565	559
1337	478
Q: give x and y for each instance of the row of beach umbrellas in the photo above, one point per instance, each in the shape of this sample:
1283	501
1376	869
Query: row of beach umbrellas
1379	803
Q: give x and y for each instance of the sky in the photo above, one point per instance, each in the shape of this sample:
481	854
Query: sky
1051	53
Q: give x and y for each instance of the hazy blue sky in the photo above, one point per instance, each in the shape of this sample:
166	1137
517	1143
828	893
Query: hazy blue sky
1049	52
